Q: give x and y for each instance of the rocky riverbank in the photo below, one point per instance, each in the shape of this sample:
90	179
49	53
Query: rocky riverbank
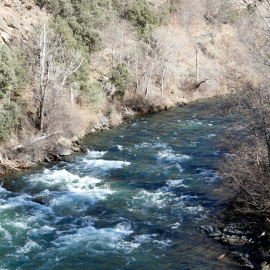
247	240
18	158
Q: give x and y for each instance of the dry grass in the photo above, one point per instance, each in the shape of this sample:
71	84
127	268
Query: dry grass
146	104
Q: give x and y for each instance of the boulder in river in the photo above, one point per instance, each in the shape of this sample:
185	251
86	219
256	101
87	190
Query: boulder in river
181	104
64	150
103	121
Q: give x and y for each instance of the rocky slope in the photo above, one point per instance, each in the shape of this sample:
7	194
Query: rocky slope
17	18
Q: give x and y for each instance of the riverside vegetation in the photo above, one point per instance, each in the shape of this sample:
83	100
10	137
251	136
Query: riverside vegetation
85	60
88	64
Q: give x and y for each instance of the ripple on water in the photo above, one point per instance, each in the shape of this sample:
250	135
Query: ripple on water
103	211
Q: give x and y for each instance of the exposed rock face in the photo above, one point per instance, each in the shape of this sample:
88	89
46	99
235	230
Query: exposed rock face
17	18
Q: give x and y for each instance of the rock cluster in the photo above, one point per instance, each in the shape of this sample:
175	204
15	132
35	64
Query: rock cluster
103	124
246	243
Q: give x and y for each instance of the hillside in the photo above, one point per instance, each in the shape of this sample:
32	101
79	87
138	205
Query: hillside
69	68
69	72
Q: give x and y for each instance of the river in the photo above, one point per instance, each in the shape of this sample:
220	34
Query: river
134	201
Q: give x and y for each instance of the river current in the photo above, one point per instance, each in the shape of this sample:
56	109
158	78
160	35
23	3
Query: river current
134	201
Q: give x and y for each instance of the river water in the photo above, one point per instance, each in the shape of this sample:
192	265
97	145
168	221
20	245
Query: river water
134	201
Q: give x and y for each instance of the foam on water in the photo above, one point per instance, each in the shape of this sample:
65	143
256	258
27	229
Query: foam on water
176	183
144	237
188	197
30	246
79	201
163	243
151	145
209	175
42	231
91	238
2	190
194	209
106	164
62	180
101	211
194	122
120	147
168	154
176	225
210	136
95	154
5	233
158	199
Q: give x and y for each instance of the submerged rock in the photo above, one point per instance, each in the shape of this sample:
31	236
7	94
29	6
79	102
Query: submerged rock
207	229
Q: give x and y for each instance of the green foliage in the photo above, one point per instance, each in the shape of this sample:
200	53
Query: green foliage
92	93
79	22
143	17
8	79
20	68
8	119
118	5
173	5
120	78
61	27
212	40
233	16
92	40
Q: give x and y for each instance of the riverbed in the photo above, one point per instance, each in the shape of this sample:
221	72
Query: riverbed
135	200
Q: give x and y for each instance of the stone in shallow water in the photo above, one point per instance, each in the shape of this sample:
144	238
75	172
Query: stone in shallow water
207	229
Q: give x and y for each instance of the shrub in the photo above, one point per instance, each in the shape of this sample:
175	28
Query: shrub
20	66
142	16
173	5
92	93
8	119
92	40
8	79
62	28
120	78
81	20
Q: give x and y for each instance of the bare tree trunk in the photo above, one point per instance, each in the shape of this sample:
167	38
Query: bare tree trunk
137	72
162	80
150	76
71	96
42	72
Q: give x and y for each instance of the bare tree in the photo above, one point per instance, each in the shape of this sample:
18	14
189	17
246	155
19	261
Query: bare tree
248	169
52	64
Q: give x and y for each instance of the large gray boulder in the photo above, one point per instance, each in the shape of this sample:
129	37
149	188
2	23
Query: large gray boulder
64	150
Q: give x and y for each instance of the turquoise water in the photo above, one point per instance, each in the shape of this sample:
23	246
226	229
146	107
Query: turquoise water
134	201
